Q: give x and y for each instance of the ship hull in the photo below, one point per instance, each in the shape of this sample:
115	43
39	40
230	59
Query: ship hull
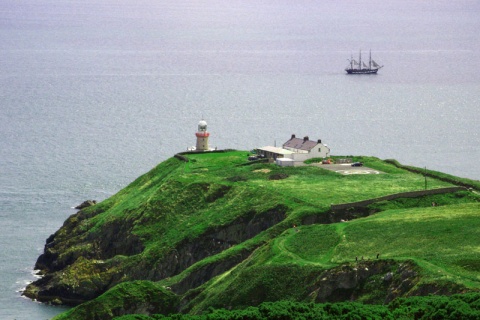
361	71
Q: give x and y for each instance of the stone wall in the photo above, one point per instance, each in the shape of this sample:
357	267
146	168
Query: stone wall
411	194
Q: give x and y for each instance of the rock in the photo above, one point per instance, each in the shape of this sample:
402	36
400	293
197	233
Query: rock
81	267
388	277
85	204
278	176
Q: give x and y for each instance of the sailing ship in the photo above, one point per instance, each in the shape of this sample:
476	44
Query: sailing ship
359	67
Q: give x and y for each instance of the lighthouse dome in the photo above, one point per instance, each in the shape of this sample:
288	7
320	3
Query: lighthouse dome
202	125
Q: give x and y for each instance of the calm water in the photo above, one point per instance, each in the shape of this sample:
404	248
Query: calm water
95	93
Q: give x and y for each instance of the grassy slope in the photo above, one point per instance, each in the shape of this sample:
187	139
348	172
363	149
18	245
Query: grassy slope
323	246
441	239
127	297
173	201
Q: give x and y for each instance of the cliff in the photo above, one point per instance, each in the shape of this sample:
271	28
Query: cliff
211	229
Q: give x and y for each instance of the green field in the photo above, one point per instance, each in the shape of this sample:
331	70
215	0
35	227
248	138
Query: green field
181	204
443	240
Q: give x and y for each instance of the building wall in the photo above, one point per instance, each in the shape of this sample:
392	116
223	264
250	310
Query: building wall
272	155
202	143
284	163
300	157
319	151
296	150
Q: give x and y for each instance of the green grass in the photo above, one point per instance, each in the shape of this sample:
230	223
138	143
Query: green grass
444	240
320	187
187	188
179	201
308	244
128	296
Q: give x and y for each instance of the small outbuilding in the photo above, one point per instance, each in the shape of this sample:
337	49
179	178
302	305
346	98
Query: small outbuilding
285	162
273	152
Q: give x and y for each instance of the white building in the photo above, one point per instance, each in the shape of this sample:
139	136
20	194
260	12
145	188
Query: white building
274	152
304	149
297	150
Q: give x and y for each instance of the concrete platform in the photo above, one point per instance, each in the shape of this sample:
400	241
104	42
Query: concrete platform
346	169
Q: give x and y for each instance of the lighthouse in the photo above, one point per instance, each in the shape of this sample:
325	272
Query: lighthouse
202	136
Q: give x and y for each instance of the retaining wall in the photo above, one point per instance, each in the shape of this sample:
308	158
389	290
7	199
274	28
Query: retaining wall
410	194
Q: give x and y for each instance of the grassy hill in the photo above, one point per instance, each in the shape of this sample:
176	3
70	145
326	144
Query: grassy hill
219	231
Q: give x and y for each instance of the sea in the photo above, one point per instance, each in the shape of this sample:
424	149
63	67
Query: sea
95	93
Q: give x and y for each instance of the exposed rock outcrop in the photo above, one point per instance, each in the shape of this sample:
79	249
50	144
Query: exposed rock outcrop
75	240
86	204
337	216
376	281
211	243
78	266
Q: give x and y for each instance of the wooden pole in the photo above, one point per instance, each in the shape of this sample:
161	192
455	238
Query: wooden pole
425	174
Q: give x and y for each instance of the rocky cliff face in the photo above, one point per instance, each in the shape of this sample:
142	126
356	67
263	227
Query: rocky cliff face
211	243
388	279
73	241
375	281
78	265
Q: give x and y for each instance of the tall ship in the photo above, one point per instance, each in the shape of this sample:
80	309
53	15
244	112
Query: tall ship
360	67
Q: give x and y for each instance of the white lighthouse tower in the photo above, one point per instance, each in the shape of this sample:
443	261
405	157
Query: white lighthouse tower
202	136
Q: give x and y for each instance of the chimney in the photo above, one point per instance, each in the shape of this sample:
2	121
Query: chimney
293	136
319	140
305	138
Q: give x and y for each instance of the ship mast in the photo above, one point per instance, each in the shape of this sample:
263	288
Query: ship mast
370	61
360	60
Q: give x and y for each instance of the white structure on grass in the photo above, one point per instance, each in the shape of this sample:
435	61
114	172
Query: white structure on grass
295	150
202	136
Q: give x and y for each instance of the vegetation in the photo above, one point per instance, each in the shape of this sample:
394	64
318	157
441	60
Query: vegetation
455	307
127	297
212	230
439	175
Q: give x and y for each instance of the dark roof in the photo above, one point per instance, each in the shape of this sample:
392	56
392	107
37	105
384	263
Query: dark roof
300	144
